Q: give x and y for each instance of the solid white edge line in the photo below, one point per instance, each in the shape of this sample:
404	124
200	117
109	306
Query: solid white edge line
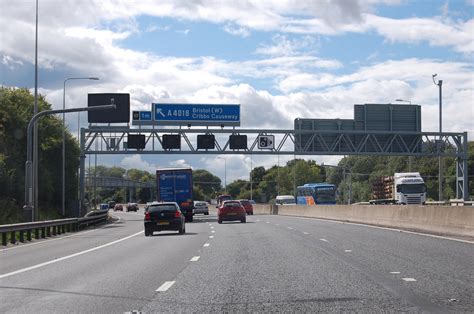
383	228
67	257
165	286
194	259
59	237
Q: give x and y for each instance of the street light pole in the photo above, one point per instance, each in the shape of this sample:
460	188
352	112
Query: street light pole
30	185
63	201
440	163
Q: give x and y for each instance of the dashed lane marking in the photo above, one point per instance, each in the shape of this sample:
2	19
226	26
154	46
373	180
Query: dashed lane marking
211	237
206	244
290	228
395	272
305	232
194	259
164	287
347	251
324	240
213	231
409	279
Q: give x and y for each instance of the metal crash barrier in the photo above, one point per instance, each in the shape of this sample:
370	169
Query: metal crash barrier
42	229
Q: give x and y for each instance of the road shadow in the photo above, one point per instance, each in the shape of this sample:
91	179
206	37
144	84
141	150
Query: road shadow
171	234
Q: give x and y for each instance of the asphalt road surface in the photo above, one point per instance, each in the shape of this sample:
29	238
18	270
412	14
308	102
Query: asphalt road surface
269	264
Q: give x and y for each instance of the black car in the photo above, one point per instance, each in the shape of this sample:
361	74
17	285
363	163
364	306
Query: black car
164	216
132	207
111	204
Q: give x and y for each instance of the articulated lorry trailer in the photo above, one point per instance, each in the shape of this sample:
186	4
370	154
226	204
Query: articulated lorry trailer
176	185
401	188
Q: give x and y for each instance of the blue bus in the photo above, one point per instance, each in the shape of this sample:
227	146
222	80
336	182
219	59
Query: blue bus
316	194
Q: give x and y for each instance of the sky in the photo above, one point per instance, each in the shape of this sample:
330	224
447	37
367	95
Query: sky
278	59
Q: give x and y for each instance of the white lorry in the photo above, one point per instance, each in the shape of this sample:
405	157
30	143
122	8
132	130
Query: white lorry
401	188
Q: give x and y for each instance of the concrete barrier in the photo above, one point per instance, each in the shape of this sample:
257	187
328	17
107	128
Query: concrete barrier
263	209
450	220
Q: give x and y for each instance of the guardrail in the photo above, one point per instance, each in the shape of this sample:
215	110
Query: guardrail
44	229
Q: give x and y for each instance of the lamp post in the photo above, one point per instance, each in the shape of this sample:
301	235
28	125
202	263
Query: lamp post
225	173
409	101
440	165
30	185
63	206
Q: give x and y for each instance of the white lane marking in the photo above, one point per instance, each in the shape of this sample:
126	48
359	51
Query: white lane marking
58	237
212	227
194	259
267	222
213	231
324	240
383	228
68	256
347	251
258	219
277	224
395	272
290	228
211	237
408	279
165	286
206	244
305	232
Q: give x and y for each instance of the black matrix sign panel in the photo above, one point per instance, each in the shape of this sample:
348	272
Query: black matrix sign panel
119	115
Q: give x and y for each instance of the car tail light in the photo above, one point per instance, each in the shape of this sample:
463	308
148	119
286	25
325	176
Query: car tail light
147	216
177	214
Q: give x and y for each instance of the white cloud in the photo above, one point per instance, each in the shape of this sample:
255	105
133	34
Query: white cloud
237	31
282	46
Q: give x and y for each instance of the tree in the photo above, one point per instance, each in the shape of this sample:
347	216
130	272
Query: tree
16	110
207	183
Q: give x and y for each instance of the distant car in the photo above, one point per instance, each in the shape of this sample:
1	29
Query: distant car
231	210
248	206
221	198
118	207
132	207
285	200
253	202
111	204
164	216
104	206
201	207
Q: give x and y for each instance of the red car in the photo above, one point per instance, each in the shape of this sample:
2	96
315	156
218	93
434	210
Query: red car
231	210
248	206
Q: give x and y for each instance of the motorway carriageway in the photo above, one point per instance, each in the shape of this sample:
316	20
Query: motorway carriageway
269	264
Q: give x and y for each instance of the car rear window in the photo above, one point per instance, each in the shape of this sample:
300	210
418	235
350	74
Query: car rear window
232	204
200	204
245	202
161	208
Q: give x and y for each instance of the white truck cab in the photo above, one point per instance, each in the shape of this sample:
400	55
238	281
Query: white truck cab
409	188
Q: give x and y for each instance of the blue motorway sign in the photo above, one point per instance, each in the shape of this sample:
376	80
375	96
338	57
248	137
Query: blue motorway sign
196	114
145	115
